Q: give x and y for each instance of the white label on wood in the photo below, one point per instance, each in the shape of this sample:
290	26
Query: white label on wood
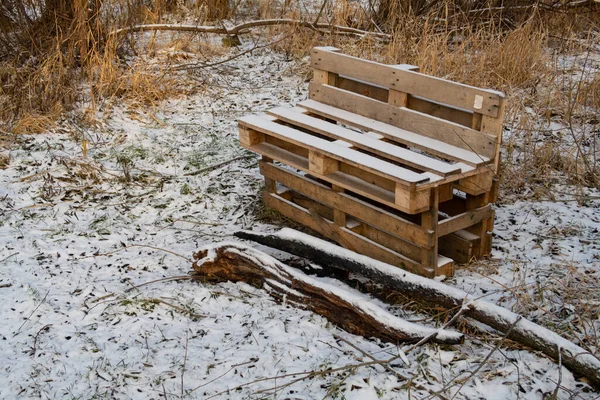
478	102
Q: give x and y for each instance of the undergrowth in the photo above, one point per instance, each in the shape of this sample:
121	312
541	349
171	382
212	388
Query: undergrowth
57	55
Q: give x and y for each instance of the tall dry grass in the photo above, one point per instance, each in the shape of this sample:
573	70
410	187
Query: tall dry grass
521	48
533	54
55	54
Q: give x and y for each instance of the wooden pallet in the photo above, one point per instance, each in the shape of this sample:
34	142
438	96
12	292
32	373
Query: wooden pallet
376	162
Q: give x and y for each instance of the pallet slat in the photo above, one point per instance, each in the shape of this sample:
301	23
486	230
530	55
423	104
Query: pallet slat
348	204
464	220
437	89
404	118
334	151
388	150
349	239
399	135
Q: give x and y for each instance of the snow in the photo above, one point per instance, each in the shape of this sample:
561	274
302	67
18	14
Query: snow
345	293
70	273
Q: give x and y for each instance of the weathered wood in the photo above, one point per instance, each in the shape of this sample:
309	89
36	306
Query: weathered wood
334	151
348	310
437	89
346	236
404	118
439	110
458	246
464	220
372	215
396	134
430	291
390	151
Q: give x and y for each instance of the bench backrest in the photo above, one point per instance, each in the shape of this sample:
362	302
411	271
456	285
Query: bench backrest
464	116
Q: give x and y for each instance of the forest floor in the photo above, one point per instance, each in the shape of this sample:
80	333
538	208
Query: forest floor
82	229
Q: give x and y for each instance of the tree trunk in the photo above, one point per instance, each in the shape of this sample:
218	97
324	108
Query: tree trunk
426	290
237	262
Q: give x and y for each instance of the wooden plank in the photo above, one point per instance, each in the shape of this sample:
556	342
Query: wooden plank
334	151
397	98
443	111
458	246
366	89
403	118
368	213
413	201
464	220
348	182
344	236
477	184
387	150
249	138
429	220
301	151
437	89
439	110
391	242
396	134
494	126
387	240
321	164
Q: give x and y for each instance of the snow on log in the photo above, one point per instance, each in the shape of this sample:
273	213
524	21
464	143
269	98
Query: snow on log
524	331
350	311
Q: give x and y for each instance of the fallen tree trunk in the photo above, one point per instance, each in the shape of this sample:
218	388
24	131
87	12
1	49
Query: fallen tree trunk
417	287
236	262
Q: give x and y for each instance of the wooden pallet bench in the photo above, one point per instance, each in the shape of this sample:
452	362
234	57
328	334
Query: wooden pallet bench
386	161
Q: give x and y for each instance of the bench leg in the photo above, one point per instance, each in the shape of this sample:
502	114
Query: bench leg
429	220
482	228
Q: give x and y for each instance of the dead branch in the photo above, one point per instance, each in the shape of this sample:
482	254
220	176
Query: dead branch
246	26
236	262
429	291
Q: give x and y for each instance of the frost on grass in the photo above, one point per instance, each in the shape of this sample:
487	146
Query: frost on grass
68	271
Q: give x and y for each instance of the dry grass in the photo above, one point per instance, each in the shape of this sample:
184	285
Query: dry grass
46	58
522	53
508	46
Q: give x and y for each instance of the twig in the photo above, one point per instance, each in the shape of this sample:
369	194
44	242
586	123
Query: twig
312	374
387	366
5	285
136	245
484	362
320	12
27	319
199	65
184	359
34	348
170	278
555	394
180	309
222	375
241	28
6	258
211	167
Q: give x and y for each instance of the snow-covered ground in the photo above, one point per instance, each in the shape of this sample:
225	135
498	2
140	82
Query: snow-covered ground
79	238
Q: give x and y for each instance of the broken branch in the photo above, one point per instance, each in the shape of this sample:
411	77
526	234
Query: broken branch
426	290
236	262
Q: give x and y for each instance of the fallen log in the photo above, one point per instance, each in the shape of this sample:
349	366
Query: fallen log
237	262
427	290
244	27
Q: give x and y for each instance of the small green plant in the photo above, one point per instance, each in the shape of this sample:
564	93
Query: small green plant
185	189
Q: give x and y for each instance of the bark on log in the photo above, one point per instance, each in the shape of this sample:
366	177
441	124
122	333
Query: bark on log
524	331
236	262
